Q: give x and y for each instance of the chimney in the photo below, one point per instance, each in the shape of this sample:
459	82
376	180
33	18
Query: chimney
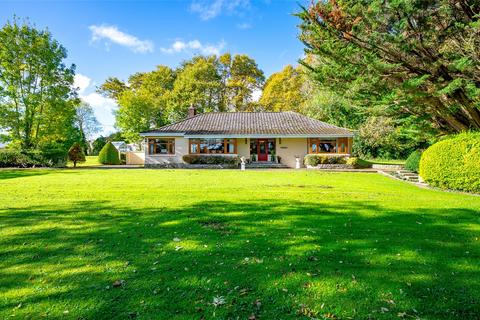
192	111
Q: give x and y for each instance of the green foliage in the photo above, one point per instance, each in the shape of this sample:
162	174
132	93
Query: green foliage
358	163
54	157
11	158
98	144
381	137
153	99
286	90
14	158
75	154
109	154
37	101
453	163
413	161
210	159
316	159
401	59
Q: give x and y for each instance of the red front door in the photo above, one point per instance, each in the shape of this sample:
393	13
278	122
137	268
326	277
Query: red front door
262	149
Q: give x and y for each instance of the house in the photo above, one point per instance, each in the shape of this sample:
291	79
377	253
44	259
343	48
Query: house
123	147
258	136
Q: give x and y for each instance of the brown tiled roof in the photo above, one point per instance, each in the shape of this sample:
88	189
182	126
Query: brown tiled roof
251	123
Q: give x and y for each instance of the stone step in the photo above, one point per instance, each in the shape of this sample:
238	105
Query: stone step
407	176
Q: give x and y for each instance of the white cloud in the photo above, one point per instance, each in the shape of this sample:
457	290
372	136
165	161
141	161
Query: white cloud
103	107
208	9
194	46
81	82
113	34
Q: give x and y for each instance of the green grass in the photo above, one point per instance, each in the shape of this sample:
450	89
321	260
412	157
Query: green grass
91	161
273	244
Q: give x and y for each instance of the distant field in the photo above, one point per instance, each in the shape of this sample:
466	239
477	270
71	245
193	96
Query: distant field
226	244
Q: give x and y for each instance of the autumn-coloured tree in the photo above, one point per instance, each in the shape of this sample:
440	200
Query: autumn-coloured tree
287	90
75	154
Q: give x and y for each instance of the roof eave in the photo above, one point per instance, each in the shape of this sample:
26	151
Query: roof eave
206	135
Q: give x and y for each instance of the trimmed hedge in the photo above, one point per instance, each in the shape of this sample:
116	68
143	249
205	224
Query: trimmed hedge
413	161
11	158
109	154
453	163
358	163
210	159
316	159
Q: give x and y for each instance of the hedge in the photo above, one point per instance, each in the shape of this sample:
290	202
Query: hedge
358	163
316	159
210	159
11	158
109	154
453	163
413	161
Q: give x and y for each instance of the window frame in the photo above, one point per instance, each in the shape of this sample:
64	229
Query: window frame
318	141
198	142
170	144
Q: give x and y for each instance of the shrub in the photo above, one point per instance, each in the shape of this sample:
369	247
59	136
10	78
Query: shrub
109	154
55	157
210	159
14	158
316	159
453	163
75	154
358	163
413	161
11	158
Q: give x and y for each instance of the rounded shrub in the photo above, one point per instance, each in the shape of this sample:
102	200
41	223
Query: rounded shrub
109	154
453	163
413	161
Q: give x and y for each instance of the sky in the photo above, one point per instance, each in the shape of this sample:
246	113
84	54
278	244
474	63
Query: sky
118	38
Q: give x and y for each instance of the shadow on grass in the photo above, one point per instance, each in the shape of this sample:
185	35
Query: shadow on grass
8	173
272	259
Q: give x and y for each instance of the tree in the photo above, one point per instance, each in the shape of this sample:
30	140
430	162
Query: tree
213	84
403	59
86	122
36	94
109	154
286	90
75	154
197	83
98	144
241	78
143	102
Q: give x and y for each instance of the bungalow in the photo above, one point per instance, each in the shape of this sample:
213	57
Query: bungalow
257	136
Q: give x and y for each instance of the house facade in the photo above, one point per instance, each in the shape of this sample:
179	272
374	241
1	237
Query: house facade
257	136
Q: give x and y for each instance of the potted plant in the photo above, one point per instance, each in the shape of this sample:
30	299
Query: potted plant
274	157
254	157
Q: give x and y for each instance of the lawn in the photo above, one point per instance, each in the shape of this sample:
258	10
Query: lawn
386	161
90	161
226	244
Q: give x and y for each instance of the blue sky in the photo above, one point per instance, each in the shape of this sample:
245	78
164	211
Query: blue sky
118	38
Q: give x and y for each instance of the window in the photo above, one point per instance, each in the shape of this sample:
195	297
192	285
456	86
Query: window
213	146
317	145
161	146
